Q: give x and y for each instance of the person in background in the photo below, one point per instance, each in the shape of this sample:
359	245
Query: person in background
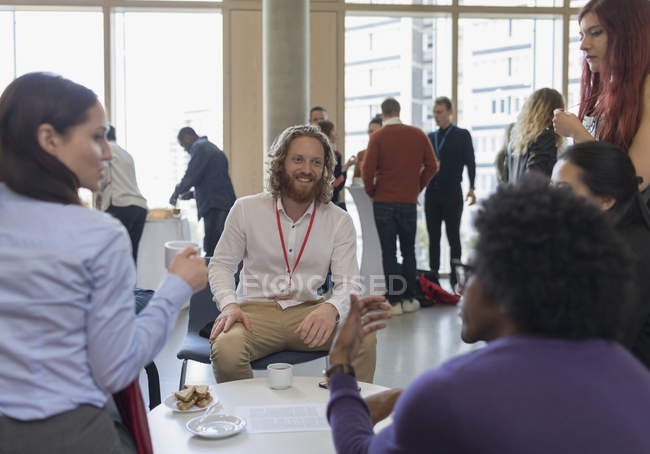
500	160
540	290
70	336
533	145
398	164
615	85
443	199
605	175
373	126
119	195
316	114
207	173
340	170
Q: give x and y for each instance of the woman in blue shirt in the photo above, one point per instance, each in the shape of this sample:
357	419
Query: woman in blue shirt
69	336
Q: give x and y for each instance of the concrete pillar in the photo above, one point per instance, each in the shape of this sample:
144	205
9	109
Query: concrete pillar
285	41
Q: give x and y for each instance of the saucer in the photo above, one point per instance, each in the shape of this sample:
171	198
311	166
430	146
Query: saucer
216	426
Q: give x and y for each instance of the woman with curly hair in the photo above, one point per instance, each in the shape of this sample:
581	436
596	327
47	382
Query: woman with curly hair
604	174
533	144
540	290
615	86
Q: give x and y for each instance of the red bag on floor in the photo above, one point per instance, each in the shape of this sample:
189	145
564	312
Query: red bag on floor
436	294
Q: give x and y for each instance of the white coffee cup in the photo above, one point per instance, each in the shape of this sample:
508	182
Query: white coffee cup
280	375
173	248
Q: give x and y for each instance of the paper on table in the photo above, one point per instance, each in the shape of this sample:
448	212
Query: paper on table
284	418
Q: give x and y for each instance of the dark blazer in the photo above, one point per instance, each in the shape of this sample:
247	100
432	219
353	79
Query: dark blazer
207	173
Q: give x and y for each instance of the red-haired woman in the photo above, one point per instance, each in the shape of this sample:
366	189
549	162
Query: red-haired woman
615	87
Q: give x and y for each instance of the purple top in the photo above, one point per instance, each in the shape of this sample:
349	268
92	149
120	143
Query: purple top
517	394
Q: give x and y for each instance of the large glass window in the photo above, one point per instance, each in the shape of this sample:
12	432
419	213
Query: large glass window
501	62
402	2
70	43
407	58
575	67
6	48
513	2
168	74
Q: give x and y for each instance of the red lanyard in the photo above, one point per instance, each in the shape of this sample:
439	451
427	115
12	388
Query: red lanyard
304	242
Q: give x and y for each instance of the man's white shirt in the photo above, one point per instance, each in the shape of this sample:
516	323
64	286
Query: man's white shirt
119	186
251	234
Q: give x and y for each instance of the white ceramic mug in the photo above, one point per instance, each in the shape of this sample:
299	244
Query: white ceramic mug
172	248
280	375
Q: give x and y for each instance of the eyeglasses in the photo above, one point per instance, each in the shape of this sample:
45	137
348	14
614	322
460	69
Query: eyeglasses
463	273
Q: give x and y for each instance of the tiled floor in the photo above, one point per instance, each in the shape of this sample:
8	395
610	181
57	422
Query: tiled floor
410	344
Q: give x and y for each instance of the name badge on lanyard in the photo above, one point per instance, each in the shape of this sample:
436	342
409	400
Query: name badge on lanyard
438	146
288	293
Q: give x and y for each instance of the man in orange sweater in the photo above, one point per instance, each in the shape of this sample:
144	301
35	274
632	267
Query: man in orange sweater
398	164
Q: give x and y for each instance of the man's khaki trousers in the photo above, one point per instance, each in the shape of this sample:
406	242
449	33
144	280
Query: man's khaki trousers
273	331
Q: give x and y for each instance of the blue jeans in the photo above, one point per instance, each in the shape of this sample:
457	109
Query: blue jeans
397	220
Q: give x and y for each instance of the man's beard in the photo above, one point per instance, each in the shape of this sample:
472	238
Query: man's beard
289	188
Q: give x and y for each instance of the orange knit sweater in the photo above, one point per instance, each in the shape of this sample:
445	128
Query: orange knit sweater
398	164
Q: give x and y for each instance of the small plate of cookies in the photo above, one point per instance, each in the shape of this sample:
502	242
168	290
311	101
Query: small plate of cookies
192	398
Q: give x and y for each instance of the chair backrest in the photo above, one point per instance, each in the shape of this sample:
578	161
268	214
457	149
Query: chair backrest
202	308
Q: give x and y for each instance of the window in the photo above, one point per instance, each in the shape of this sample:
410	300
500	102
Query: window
531	56
397	66
70	43
514	2
7	55
576	59
164	81
402	2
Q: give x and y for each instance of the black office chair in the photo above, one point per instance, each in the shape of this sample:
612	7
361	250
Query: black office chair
197	348
142	297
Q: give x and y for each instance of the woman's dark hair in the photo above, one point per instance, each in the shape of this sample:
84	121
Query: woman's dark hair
375	120
28	102
552	260
608	172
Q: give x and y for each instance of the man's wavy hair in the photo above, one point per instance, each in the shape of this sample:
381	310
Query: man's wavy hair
278	154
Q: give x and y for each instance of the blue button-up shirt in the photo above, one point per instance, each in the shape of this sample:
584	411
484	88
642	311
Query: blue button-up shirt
207	172
68	330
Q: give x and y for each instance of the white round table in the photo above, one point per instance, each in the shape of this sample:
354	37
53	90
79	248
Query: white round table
170	436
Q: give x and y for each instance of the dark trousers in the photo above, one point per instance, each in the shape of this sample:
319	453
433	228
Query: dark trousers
133	217
397	220
438	207
86	429
213	222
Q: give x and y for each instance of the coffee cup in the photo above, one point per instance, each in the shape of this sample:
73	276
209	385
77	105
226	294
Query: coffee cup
173	248
280	375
